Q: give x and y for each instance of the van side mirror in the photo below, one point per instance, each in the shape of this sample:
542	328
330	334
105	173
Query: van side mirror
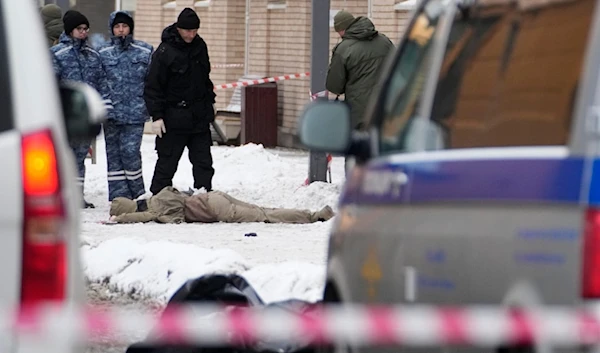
325	127
83	110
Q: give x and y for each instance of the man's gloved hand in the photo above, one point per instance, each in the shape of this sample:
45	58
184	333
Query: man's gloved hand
158	127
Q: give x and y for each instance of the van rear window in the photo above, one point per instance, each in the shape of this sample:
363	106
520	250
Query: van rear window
511	71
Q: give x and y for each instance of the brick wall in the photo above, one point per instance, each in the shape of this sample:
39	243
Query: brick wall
149	16
389	21
258	48
296	57
288	44
222	27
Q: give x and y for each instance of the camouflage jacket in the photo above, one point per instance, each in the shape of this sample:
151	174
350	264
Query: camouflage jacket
126	62
75	60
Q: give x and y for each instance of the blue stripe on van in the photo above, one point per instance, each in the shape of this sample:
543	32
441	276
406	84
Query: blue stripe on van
524	180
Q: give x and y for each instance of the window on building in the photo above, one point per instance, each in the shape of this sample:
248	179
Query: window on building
276	4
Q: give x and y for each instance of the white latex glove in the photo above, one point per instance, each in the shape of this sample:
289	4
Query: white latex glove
158	127
144	196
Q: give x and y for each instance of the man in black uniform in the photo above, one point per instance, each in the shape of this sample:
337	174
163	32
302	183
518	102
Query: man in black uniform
180	98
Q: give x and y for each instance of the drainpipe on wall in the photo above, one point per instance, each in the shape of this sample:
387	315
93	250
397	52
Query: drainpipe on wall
119	5
369	8
247	40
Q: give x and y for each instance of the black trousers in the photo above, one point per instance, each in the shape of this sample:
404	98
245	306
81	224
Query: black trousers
170	148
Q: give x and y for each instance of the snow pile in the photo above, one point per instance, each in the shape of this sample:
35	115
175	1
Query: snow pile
251	172
155	270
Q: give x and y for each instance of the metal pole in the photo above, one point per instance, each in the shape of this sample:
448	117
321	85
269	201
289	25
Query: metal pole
317	170
118	5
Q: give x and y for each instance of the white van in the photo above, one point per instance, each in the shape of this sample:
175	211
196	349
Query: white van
39	199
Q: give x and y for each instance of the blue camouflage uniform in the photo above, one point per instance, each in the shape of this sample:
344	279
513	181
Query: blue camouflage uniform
126	63
75	60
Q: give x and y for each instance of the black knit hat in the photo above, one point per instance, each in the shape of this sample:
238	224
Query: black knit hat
122	17
72	19
188	19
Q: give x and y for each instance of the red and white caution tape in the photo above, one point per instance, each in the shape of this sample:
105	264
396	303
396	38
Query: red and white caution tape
223	66
353	325
261	81
318	94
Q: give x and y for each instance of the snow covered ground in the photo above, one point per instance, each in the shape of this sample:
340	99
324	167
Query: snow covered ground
153	260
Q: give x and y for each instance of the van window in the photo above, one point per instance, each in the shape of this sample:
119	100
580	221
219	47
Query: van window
510	73
407	80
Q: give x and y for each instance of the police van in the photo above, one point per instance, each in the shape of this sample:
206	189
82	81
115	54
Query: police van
39	198
478	177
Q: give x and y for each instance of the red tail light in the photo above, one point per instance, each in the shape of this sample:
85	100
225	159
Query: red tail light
44	266
591	255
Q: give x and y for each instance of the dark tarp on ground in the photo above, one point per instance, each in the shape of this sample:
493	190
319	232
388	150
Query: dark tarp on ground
227	290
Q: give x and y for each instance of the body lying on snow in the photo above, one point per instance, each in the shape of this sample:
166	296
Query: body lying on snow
172	206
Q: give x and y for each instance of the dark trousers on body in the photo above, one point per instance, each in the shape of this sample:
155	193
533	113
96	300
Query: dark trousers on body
170	148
